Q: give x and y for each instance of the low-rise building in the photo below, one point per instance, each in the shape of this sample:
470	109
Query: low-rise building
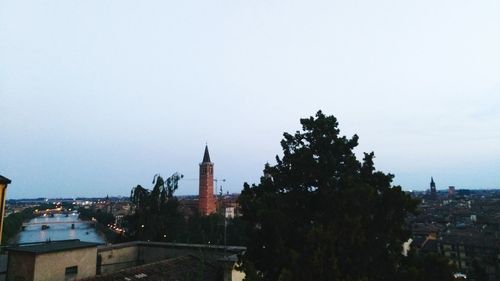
61	260
76	260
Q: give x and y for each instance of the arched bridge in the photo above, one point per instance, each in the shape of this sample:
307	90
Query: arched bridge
56	222
47	224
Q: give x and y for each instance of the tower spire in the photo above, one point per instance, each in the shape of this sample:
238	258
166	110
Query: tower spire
206	155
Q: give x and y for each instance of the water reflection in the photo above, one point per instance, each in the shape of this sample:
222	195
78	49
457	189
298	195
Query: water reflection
59	229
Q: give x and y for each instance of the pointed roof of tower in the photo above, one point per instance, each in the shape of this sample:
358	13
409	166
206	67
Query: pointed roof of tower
432	182
206	156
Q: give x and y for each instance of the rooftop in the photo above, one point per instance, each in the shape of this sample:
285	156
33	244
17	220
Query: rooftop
182	268
52	246
196	247
4	180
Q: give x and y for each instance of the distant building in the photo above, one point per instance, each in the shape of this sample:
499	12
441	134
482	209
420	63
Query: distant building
206	199
451	191
229	205
433	186
61	260
229	212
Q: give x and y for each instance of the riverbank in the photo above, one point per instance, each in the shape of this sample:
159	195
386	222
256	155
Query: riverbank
111	236
102	220
13	223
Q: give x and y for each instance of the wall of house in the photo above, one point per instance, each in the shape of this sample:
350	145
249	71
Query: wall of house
119	256
52	266
155	252
20	266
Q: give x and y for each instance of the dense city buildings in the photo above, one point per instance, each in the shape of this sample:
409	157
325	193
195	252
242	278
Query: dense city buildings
464	226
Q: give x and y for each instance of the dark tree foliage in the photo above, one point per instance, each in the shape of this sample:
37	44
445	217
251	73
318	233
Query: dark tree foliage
156	217
12	224
101	216
478	270
426	267
205	229
320	214
210	229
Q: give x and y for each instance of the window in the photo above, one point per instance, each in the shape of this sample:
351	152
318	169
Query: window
72	270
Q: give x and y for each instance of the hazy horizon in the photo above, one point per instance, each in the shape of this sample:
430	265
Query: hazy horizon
98	96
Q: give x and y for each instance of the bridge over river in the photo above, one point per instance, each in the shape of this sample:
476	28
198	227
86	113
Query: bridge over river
46	224
59	227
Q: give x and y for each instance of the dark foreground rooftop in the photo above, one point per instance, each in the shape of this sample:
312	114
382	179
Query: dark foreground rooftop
4	180
179	269
52	246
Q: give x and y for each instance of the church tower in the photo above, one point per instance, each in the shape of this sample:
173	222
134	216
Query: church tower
433	188
206	199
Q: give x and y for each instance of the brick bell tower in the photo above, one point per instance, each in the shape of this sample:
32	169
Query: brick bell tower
206	199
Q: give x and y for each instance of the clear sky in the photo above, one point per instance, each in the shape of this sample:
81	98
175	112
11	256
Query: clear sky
96	96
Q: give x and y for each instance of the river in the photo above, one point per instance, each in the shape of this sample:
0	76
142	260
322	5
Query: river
59	230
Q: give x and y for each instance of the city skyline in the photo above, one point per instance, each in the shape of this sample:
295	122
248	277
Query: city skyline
97	97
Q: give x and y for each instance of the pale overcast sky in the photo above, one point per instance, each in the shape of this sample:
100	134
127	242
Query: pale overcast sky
96	96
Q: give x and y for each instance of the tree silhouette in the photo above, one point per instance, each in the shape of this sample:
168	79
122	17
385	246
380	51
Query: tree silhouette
156	216
320	214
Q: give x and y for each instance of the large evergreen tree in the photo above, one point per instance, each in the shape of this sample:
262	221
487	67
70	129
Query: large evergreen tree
320	214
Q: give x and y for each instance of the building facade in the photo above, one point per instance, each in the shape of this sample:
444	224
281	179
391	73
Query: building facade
58	260
4	182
